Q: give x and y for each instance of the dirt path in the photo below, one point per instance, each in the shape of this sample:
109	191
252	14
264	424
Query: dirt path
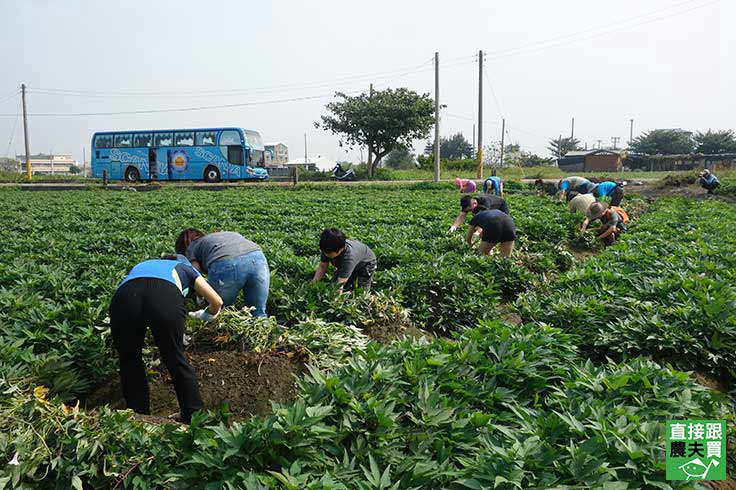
247	382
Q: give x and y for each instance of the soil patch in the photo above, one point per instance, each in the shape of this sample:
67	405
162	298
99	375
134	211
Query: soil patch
710	382
385	333
655	190
246	381
729	484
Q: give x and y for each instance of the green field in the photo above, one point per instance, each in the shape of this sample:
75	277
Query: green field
556	368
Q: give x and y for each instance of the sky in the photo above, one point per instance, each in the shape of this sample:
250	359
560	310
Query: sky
663	63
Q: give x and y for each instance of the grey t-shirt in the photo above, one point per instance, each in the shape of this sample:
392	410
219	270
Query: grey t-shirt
219	245
356	259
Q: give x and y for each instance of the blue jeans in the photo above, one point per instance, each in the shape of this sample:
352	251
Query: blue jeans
248	273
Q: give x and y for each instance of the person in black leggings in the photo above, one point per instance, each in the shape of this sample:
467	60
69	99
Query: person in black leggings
152	295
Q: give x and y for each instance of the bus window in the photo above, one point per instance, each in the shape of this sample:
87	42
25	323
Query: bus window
142	140
257	158
103	141
163	139
230	137
235	154
206	138
184	139
123	140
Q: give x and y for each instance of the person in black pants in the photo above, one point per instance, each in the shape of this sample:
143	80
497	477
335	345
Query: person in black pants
152	295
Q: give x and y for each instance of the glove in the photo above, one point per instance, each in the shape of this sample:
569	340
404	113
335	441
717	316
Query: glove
452	228
203	315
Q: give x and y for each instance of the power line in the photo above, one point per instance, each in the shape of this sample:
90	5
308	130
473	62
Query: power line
184	109
493	92
12	133
529	50
9	96
224	92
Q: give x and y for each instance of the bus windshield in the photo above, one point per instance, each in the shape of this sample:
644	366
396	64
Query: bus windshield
254	142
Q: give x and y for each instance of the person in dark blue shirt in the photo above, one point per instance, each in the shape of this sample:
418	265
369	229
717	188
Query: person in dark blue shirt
152	296
497	229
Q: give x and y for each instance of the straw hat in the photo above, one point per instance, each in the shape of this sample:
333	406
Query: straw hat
596	210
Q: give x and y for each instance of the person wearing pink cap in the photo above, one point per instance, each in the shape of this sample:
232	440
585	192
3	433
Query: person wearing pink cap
466	185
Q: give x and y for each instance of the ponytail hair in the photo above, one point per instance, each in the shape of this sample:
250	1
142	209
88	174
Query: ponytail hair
185	238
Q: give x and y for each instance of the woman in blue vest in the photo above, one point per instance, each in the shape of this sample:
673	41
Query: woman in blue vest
152	296
493	185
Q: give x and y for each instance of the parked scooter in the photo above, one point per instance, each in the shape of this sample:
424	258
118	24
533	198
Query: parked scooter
340	174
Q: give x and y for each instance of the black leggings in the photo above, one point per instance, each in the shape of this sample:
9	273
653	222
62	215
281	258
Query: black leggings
158	304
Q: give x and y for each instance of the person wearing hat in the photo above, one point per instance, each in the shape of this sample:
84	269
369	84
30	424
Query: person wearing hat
579	203
578	184
467	186
493	185
497	229
708	181
612	221
612	190
467	204
152	296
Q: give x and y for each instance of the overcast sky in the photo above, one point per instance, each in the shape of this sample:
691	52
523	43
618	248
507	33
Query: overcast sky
664	63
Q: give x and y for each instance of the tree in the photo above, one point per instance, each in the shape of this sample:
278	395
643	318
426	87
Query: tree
712	142
664	142
455	147
8	165
559	147
400	157
73	169
384	121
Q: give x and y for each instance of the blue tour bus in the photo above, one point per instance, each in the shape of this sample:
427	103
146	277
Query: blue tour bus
211	154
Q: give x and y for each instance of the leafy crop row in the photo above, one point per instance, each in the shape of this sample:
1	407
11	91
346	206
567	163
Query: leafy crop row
666	290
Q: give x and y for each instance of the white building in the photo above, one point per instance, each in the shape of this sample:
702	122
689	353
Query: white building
278	153
49	164
323	164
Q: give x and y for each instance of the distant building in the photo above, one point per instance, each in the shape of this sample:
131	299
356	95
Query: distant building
276	154
596	160
320	163
49	164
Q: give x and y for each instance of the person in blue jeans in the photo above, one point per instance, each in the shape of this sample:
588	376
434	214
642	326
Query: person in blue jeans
232	264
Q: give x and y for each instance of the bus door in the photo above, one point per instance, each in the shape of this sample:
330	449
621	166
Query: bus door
152	164
162	163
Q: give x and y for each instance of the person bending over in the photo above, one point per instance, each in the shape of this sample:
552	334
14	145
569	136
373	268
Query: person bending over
354	262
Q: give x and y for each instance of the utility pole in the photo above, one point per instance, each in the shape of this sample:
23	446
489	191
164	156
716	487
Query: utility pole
572	129
631	132
614	140
306	160
473	139
370	154
503	133
599	144
84	162
29	173
479	171
436	117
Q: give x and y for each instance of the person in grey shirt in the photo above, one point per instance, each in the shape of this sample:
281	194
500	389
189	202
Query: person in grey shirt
353	260
232	264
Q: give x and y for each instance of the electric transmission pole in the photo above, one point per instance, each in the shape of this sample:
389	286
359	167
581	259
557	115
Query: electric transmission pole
503	133
436	117
631	131
614	140
572	129
479	171
29	173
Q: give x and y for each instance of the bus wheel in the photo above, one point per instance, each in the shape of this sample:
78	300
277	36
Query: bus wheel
132	174
211	174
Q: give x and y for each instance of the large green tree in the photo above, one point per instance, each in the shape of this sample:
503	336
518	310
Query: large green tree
400	157
560	146
386	120
455	147
712	142
663	142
